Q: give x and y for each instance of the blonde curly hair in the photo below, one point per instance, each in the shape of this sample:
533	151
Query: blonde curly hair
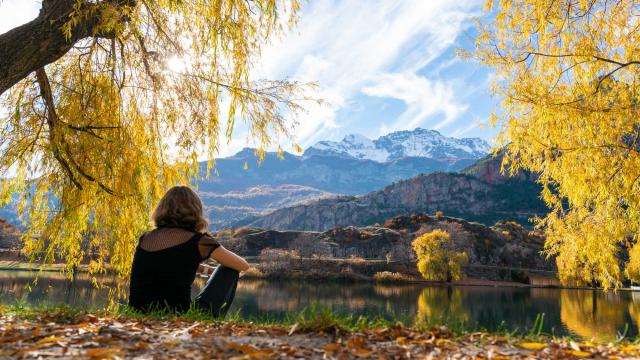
180	207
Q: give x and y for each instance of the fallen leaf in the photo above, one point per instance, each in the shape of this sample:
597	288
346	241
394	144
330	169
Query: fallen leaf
244	348
141	345
441	341
355	343
361	352
630	349
332	347
49	339
579	353
36	331
532	345
103	353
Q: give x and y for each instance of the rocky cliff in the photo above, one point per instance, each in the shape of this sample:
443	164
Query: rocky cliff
479	193
506	244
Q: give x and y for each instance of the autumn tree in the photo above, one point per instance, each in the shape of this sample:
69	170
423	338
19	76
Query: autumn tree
437	261
567	73
109	102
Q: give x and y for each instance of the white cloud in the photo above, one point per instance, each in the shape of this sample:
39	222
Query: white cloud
376	48
423	98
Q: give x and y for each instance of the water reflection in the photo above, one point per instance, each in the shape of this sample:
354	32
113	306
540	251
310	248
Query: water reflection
51	288
442	305
591	313
577	312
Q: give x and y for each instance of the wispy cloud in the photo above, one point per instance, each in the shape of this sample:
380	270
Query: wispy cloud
423	98
375	48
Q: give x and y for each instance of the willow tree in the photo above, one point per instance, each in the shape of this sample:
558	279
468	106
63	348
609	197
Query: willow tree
437	258
109	102
567	72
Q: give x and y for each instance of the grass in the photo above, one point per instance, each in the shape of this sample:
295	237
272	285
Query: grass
309	319
312	318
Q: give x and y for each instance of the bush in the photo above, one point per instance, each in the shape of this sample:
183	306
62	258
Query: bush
357	259
253	273
436	261
388	276
269	254
276	260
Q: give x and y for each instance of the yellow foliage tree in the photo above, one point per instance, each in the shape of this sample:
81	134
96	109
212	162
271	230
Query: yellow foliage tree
436	262
93	138
567	72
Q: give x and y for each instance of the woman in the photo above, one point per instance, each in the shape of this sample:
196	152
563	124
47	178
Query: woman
167	259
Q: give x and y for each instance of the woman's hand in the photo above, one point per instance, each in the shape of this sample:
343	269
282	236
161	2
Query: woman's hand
205	270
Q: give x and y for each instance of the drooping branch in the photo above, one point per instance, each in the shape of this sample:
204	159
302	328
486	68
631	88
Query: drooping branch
55	139
42	41
52	119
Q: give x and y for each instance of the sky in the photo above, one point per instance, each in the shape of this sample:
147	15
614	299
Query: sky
382	66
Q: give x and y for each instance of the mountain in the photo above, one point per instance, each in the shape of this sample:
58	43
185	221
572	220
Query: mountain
402	144
478	193
236	194
327	173
239	193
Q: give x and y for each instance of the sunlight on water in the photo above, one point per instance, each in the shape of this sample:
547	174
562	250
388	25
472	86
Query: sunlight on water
577	312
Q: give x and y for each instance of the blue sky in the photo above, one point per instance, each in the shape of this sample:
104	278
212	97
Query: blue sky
382	66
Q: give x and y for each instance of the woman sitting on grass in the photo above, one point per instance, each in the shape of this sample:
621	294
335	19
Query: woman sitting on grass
167	259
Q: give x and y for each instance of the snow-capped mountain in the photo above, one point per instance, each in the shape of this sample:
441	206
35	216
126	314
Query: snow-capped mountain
401	144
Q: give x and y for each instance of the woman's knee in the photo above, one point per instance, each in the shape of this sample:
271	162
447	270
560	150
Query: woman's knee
227	271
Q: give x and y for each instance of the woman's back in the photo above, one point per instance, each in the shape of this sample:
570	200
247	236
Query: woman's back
164	267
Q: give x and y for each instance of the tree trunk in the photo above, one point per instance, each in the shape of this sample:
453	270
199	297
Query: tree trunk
41	41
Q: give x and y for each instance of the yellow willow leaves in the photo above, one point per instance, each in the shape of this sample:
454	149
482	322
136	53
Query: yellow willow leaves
567	73
89	147
436	260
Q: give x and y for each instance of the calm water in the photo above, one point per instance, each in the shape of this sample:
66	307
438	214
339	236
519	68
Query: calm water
577	312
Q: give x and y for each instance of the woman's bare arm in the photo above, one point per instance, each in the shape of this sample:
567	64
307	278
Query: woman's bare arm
229	259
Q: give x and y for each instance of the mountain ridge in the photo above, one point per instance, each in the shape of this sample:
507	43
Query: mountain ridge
400	144
478	193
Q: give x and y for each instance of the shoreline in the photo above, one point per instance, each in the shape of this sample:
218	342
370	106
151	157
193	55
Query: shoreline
58	268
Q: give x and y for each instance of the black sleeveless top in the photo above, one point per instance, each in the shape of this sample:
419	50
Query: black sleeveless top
162	279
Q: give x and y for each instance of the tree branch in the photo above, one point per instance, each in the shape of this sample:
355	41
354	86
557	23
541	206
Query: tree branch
41	41
52	119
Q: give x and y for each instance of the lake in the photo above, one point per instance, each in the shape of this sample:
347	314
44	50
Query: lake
584	313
